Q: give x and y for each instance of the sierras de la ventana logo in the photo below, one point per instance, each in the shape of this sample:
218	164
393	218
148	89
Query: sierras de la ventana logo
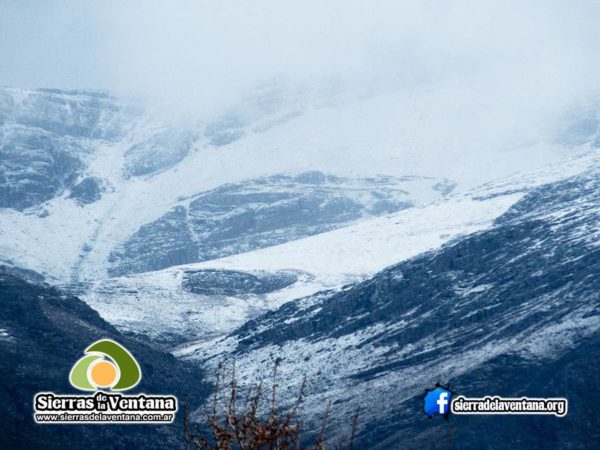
105	370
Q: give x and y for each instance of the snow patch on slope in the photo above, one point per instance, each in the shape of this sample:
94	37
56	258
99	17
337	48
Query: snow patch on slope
155	304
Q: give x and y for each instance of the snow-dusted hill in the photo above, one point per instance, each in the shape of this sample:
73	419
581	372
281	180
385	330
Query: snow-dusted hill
145	191
84	175
327	261
257	213
520	298
374	240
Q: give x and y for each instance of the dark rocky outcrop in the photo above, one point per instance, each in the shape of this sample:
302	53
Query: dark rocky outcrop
231	282
88	190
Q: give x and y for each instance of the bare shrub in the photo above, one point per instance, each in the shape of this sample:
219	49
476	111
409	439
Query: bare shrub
245	428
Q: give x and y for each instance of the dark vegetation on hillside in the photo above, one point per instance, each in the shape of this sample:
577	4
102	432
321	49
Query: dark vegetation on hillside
44	333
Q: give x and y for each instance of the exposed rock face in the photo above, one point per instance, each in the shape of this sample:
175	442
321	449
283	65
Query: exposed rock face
42	333
166	242
259	213
46	136
230	282
35	166
66	113
511	311
160	151
88	190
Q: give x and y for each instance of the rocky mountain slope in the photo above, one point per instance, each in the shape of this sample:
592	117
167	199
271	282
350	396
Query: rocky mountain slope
46	137
106	175
43	332
258	213
89	185
325	261
204	300
519	298
266	232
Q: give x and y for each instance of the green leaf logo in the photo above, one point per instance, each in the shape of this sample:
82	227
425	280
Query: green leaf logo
106	365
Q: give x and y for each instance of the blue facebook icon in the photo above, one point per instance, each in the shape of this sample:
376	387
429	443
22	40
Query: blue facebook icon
437	401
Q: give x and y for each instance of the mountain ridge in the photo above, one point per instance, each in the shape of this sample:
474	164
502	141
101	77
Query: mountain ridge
525	290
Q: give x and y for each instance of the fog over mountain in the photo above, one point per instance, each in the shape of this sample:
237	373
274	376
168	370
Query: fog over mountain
378	196
199	53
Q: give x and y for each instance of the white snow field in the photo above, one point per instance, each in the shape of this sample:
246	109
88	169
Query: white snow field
397	132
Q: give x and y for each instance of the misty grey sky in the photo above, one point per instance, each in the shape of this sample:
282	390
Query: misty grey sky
194	50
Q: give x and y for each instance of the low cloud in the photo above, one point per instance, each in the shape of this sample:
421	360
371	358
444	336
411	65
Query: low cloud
202	54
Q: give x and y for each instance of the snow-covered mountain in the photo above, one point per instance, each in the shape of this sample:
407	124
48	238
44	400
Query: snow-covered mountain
367	239
236	218
326	261
516	298
323	262
115	180
88	181
46	137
